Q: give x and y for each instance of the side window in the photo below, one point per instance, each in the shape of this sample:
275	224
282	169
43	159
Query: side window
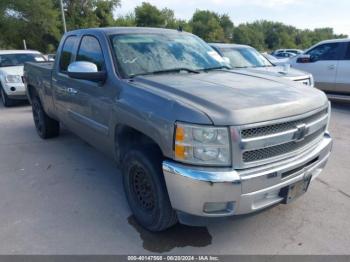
66	53
347	55
330	51
90	51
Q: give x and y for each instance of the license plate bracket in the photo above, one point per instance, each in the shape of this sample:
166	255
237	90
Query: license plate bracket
294	191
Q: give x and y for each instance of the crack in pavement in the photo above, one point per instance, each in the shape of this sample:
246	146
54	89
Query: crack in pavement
330	186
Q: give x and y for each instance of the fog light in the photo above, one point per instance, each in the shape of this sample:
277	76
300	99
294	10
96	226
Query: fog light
218	207
13	89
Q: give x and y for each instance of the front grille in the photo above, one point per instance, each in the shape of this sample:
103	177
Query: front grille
270	152
278	128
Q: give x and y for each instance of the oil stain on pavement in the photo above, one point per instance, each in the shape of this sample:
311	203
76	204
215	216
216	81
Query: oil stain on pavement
177	236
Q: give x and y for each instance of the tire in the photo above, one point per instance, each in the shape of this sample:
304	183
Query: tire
7	102
46	127
145	189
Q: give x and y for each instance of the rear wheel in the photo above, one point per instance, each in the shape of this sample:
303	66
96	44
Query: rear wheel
4	98
46	127
145	189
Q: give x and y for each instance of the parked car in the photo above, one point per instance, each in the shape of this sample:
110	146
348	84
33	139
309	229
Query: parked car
243	57
11	71
274	60
283	55
51	57
294	51
193	139
329	62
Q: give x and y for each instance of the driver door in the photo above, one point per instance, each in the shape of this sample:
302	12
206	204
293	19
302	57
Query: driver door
90	101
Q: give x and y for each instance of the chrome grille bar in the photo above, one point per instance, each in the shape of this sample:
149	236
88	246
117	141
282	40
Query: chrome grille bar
255	145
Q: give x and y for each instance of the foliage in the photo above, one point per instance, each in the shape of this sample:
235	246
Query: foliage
207	25
39	22
149	15
267	35
89	13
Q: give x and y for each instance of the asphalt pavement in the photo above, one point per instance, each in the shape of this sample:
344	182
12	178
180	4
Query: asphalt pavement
62	196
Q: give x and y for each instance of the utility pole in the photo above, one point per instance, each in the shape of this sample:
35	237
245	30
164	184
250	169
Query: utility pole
63	17
24	44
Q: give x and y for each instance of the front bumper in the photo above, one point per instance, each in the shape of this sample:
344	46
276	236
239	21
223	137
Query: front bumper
193	189
15	90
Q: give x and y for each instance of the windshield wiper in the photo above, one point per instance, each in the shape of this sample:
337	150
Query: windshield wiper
217	68
243	67
165	71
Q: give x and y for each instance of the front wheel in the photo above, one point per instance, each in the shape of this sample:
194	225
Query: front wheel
145	189
46	127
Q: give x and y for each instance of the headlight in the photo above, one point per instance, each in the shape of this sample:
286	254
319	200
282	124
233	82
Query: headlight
13	79
202	145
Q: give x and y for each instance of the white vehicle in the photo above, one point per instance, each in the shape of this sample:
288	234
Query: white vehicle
284	55
274	60
329	63
11	73
246	58
294	51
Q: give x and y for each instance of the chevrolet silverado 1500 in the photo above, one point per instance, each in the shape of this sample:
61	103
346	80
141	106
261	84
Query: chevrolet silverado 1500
193	138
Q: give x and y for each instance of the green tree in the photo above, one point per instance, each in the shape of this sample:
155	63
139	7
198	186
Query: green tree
226	25
104	12
126	20
89	13
206	24
35	21
149	16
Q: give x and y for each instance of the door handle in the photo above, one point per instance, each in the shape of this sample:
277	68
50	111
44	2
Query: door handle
332	67
72	91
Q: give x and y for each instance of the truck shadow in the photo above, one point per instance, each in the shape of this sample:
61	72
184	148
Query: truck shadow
176	236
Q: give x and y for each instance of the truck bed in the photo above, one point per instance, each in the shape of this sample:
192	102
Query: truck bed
38	75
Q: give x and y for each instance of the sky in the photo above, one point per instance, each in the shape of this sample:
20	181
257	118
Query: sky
300	13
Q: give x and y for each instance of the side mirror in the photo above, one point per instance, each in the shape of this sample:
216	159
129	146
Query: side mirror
85	71
304	59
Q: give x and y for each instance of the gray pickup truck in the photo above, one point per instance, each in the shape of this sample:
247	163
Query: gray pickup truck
194	140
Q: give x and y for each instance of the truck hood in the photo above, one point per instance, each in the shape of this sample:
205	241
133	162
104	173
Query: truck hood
278	71
12	70
236	98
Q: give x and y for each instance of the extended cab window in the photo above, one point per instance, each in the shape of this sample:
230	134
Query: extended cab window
330	51
90	51
67	52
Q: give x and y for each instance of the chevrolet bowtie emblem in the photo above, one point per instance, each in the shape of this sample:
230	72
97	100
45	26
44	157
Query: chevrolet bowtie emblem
301	132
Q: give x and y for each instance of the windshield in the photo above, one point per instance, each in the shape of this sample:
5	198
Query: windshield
245	57
19	59
141	54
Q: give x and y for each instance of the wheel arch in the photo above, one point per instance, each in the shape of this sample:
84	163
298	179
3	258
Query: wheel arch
127	137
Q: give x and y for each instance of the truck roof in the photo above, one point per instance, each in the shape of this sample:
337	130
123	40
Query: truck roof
126	30
7	52
340	40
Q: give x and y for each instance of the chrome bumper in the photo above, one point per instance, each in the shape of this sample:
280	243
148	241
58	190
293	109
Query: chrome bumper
193	189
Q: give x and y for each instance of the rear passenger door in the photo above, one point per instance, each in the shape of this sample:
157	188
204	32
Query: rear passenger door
323	64
342	85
